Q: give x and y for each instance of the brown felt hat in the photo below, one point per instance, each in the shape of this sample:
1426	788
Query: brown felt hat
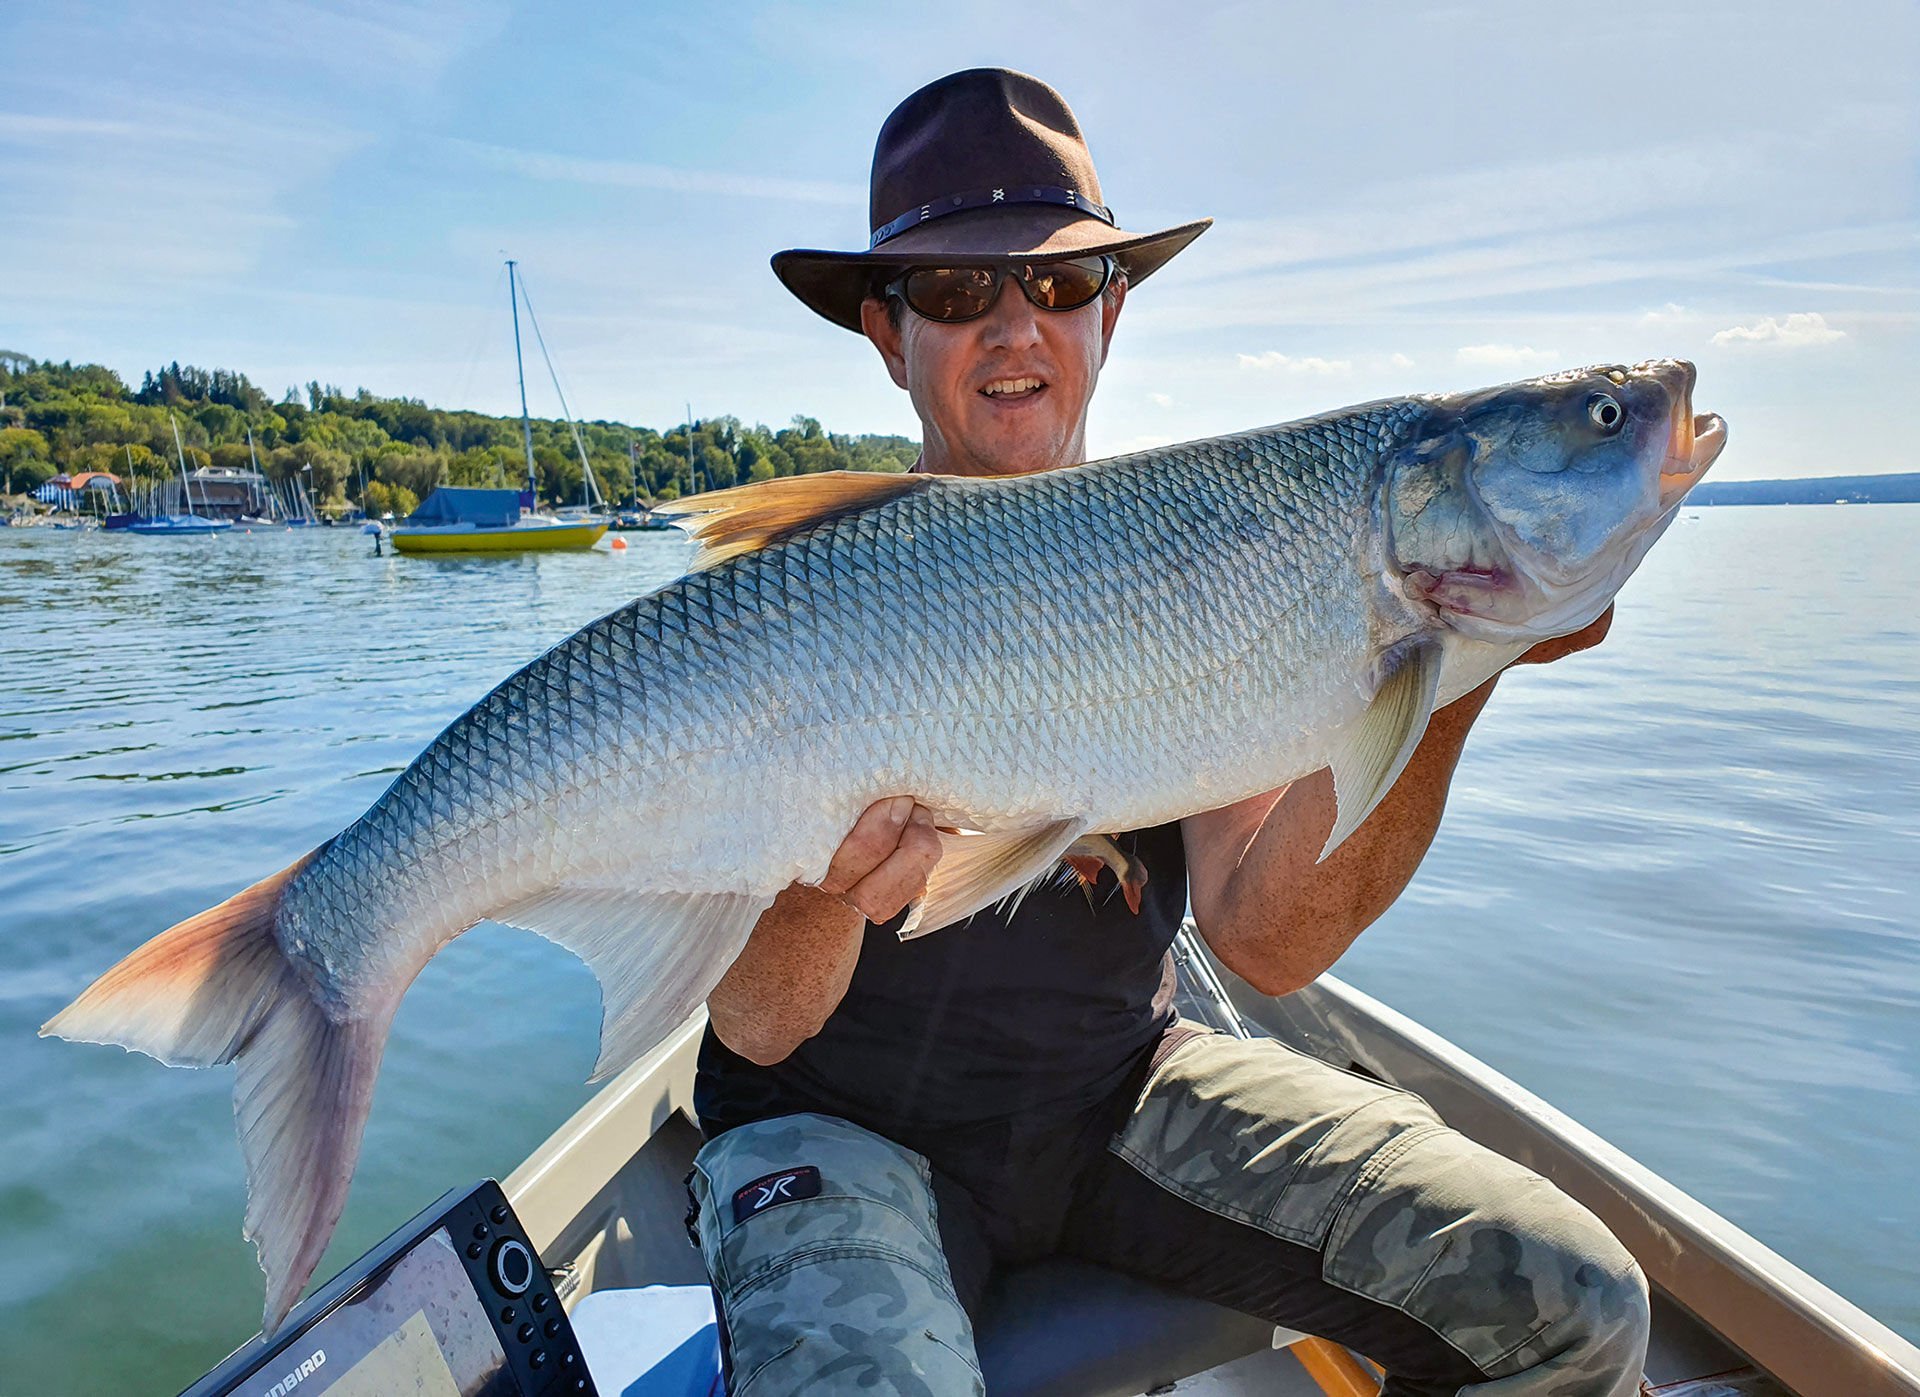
982	166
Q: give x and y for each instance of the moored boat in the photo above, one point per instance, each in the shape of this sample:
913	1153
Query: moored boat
464	520
459	520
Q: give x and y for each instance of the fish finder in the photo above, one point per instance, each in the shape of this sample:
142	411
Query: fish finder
454	1304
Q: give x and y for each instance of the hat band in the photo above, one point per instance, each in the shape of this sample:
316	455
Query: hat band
986	198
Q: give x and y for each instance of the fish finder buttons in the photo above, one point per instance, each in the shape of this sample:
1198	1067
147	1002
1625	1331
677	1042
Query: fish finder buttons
512	1267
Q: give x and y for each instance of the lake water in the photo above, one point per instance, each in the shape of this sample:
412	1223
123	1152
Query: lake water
1674	894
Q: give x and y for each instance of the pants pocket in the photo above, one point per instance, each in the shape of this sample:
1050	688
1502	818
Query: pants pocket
838	1283
1254	1131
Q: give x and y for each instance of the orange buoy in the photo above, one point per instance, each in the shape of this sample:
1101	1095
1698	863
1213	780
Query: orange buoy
618	545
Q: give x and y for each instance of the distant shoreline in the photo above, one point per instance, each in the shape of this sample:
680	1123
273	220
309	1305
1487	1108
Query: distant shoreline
1828	489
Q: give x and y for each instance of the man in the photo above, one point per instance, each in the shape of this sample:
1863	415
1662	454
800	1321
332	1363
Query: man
889	1122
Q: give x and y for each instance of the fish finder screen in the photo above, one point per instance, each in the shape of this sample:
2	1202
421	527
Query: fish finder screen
418	1330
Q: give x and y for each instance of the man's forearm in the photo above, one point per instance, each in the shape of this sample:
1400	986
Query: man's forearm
790	976
1277	918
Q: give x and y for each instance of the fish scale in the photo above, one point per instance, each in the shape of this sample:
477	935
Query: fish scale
1034	659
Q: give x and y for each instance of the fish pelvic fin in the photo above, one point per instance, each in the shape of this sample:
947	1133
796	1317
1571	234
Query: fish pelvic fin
747	518
1087	855
218	988
1377	749
977	870
657	955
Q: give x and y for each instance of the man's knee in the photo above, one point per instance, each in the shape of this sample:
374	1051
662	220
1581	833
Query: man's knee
823	1246
1511	1271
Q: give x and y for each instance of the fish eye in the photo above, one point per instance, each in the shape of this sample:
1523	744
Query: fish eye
1606	413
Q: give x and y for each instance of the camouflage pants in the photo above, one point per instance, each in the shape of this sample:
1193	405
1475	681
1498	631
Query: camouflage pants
1246	1173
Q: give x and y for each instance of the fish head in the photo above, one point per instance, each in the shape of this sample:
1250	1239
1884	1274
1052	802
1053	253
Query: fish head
1517	512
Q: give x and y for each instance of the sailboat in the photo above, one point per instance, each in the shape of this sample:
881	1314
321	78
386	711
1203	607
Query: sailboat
188	523
457	520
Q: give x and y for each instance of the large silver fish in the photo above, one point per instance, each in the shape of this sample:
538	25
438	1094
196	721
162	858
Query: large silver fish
1037	659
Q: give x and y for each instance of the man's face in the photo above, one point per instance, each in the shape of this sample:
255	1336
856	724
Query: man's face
1005	393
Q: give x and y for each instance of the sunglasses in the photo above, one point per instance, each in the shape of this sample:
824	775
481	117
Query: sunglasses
953	294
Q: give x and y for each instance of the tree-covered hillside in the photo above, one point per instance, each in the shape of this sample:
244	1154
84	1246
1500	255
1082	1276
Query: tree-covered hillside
79	417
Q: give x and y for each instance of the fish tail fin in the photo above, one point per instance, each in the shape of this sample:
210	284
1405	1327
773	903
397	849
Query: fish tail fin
218	988
301	1096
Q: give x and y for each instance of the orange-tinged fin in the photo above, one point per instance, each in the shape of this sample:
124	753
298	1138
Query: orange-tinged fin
218	988
1085	868
728	523
1090	853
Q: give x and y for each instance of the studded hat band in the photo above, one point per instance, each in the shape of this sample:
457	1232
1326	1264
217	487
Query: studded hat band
986	198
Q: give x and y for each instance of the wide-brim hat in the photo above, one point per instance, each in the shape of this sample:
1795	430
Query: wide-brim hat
979	167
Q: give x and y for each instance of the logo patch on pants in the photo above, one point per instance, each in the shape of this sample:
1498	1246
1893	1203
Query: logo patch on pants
787	1186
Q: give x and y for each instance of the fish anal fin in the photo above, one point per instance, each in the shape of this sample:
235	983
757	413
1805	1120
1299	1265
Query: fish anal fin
747	518
1376	750
977	870
657	955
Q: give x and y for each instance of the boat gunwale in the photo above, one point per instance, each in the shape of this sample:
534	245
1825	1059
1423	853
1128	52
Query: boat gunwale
1789	1323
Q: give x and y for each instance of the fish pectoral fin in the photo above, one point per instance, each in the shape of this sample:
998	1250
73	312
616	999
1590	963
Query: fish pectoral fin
657	955
1374	754
977	870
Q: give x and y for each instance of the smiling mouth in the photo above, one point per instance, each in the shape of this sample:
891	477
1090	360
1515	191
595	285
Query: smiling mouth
1013	389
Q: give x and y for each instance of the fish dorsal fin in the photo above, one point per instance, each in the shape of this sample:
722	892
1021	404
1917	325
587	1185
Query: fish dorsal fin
728	523
976	870
1377	749
657	955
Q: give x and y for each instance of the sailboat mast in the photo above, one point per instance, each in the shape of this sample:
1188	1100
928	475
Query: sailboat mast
186	486
526	425
693	480
253	491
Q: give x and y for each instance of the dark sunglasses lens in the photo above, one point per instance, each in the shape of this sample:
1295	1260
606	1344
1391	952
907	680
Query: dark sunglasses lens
1065	285
951	293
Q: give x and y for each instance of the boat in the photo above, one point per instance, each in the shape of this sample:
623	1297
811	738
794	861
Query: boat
639	520
602	1200
466	520
459	519
179	524
602	1204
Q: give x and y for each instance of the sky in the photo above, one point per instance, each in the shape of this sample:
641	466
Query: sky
1408	198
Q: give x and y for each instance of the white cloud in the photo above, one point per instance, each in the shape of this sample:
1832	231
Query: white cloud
1286	363
1504	356
1795	332
1160	399
1672	313
1400	361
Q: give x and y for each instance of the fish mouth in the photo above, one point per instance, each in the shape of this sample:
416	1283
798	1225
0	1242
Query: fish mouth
1696	446
1696	442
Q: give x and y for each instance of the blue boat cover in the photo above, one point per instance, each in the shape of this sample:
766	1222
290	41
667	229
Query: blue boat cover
451	504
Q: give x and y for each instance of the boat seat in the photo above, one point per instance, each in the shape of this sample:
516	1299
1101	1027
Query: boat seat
1062	1328
1054	1329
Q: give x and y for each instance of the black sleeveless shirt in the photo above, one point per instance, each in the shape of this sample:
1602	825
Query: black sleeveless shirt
990	1023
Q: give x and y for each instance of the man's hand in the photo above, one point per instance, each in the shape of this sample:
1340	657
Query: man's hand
1547	651
794	970
884	862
